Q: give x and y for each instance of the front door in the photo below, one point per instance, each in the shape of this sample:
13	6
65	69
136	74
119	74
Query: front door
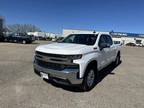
103	53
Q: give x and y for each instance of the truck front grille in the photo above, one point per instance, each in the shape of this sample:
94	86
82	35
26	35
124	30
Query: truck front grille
49	65
51	55
54	61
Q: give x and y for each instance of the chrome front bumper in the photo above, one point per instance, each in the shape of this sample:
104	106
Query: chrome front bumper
67	76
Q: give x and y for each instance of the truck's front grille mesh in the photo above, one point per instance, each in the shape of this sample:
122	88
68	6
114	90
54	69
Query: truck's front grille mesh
54	61
50	55
49	65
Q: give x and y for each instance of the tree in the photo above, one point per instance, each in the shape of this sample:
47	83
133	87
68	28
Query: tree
23	28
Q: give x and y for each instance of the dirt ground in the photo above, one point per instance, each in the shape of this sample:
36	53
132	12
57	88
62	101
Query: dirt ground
20	87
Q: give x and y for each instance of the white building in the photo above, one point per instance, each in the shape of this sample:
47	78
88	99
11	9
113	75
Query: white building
43	34
124	38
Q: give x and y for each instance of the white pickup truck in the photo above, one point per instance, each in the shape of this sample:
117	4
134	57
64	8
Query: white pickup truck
77	59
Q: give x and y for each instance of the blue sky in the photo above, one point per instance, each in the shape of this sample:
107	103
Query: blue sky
54	15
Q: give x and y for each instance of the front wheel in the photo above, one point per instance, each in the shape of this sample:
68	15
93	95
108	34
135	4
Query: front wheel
90	79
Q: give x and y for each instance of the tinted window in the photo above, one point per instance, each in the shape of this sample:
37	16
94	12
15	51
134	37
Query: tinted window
86	39
102	39
109	40
106	39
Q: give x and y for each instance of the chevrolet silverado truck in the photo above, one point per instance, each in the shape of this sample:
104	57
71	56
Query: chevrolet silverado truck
77	59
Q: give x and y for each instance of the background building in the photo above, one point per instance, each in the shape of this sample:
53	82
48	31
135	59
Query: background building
127	38
122	37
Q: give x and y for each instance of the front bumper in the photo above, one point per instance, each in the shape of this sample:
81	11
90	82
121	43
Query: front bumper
66	76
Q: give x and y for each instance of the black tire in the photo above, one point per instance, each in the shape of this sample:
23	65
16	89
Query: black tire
117	60
86	85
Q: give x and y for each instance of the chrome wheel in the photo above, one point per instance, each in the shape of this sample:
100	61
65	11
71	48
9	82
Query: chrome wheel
90	78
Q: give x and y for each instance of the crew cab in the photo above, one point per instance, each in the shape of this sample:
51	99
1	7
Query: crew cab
19	38
77	59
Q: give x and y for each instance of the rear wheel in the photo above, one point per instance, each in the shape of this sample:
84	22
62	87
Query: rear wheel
90	79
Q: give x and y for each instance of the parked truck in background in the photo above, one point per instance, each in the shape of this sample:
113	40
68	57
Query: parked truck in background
19	38
77	59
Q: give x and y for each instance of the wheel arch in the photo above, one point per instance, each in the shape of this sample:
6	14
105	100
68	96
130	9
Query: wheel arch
85	85
92	63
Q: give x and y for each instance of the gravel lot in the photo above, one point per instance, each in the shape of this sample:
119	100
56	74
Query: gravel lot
20	87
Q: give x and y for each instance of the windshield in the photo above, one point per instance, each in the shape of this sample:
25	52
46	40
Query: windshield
86	39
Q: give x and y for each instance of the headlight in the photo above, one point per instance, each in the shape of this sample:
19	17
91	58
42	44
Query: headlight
74	57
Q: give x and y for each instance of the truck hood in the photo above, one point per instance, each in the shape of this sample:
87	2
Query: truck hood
64	48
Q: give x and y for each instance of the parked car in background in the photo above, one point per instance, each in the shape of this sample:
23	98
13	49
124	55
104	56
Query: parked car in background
19	38
135	45
139	45
130	44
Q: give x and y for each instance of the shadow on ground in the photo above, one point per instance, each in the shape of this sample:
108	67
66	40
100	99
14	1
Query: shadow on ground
34	43
102	74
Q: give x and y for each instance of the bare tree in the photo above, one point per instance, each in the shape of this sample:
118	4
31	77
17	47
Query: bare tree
23	28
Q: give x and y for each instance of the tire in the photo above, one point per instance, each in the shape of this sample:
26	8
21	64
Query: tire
90	79
117	60
23	42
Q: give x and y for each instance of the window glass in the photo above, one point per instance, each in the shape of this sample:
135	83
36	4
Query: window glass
105	39
109	40
86	39
102	39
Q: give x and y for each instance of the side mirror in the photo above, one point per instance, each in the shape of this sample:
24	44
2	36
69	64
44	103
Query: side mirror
104	45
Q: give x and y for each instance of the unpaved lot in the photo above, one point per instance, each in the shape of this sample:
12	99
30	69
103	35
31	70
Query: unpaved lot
20	87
